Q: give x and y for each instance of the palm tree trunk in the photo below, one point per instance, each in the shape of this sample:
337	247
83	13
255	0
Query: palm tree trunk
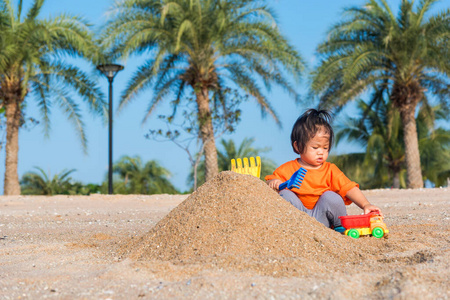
13	114
412	155
396	180
207	134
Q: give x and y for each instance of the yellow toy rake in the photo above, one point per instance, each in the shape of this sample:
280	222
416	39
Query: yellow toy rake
244	167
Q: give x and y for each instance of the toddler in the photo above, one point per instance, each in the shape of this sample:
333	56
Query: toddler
325	189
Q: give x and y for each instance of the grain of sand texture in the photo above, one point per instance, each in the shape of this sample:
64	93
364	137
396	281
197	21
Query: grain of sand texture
232	239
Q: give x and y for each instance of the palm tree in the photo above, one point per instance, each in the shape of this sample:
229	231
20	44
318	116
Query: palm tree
202	47
434	145
137	178
356	168
229	152
435	156
407	54
378	130
42	184
33	62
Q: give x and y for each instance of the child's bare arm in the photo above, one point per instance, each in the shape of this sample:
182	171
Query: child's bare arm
359	199
274	183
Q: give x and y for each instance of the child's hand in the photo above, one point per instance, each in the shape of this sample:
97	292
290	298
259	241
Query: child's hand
274	183
359	199
368	208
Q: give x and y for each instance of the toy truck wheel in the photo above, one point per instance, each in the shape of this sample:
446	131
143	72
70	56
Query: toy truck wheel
353	233
378	232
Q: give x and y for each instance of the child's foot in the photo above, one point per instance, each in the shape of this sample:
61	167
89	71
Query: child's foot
339	229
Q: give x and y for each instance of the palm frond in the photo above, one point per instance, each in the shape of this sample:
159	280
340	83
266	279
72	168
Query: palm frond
35	9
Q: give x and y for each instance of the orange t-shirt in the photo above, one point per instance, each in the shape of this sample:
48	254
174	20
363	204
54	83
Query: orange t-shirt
316	182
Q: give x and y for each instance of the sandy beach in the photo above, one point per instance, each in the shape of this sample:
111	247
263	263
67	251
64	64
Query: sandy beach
92	247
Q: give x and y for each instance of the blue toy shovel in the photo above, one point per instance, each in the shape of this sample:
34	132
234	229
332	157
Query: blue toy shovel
295	181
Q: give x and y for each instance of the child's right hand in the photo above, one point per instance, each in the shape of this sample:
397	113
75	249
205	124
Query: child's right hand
368	208
274	183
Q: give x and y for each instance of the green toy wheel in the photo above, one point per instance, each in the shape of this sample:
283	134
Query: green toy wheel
353	233
378	232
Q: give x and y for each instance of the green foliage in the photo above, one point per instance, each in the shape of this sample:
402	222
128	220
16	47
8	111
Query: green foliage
201	43
229	152
202	47
355	168
407	55
434	145
40	183
33	54
79	188
383	164
133	177
372	47
378	129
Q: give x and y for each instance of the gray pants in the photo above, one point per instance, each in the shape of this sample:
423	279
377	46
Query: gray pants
327	211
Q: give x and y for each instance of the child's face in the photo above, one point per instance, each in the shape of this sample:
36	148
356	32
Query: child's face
316	150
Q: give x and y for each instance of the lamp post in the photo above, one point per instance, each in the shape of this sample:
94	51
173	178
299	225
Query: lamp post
110	71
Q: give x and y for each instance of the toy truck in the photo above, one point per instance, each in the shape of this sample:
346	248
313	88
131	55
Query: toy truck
358	225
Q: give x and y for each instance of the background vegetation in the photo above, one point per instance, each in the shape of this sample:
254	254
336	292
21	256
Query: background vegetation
393	63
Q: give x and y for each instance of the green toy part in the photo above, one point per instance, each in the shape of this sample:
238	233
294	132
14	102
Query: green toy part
353	233
378	232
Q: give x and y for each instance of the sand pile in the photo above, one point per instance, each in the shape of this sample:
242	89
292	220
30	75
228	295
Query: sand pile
237	219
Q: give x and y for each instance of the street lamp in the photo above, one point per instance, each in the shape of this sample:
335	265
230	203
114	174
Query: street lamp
110	71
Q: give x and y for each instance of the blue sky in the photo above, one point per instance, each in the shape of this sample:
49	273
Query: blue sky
303	22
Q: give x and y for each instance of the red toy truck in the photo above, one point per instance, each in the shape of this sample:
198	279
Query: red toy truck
358	225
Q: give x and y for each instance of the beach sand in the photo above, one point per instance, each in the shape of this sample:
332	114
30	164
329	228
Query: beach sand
232	239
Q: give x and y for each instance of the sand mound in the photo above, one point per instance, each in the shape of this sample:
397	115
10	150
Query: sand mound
233	218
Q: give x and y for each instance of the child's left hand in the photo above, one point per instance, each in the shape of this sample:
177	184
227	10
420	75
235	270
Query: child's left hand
368	208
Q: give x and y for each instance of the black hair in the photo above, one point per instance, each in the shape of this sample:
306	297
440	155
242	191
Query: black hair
307	126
